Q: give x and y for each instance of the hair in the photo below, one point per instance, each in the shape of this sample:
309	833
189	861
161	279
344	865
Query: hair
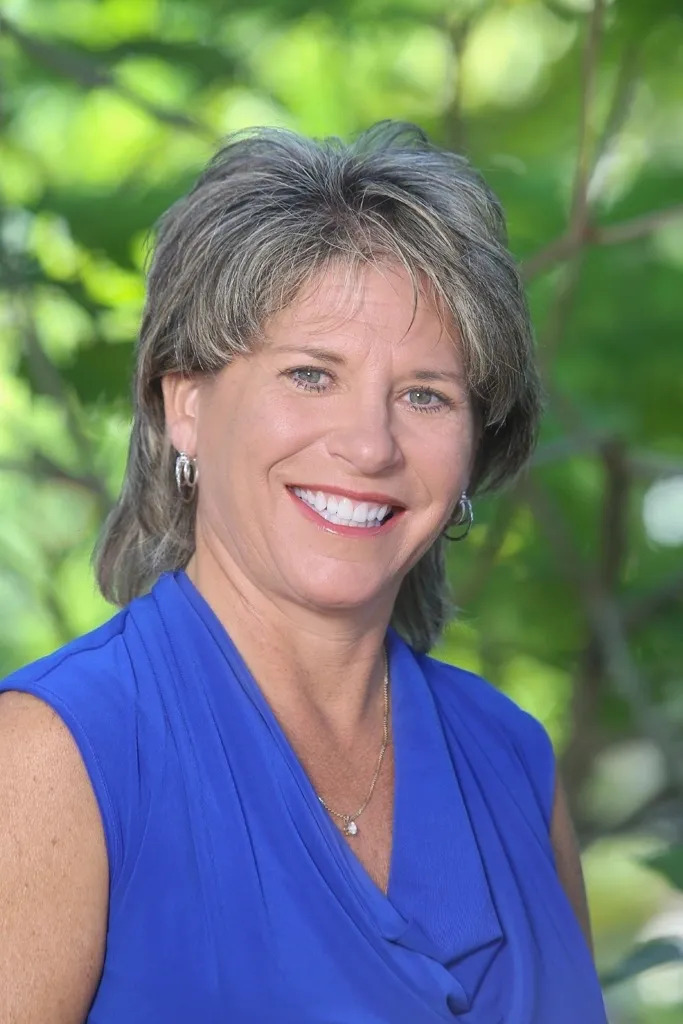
269	214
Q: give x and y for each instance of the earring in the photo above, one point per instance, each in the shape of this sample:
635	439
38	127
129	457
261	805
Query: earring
186	476
463	515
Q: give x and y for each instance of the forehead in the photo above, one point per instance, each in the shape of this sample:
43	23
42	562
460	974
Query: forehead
367	303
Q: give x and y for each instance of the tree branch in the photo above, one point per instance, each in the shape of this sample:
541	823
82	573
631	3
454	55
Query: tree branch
607	629
567	285
581	232
620	107
39	467
639	609
660	815
588	682
614	538
579	204
564	247
636	227
90	75
654	465
457	29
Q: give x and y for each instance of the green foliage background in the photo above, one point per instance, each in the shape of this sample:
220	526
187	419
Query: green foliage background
570	586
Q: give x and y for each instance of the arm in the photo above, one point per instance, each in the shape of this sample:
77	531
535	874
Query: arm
567	860
53	870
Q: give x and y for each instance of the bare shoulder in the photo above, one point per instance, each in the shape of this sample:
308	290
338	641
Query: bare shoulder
568	860
53	869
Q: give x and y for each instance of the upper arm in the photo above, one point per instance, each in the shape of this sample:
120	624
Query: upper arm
53	869
568	861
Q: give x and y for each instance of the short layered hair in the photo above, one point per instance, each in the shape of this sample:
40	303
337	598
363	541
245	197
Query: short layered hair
271	213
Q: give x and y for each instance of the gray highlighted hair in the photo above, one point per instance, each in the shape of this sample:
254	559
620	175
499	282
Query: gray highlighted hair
270	213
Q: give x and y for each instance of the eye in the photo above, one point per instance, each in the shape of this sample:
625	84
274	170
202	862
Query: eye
310	378
427	400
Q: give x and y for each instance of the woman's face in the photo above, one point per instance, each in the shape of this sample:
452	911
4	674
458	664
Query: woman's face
332	456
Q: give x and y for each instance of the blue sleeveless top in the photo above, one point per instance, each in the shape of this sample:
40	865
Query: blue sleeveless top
233	896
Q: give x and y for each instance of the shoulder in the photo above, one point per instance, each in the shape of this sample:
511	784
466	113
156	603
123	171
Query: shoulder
89	690
102	676
53	868
99	650
462	692
522	749
505	732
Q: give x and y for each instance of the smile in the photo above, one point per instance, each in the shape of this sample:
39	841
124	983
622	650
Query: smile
343	511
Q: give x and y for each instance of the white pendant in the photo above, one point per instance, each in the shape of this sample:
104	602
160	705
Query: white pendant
350	828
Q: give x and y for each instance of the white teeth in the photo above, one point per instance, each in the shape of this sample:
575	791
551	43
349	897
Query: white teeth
343	511
345	522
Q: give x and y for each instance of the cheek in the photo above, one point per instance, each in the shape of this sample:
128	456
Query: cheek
272	431
444	463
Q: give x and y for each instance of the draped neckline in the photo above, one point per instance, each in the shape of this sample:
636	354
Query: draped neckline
426	907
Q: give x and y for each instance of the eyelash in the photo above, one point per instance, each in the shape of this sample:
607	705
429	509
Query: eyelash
444	400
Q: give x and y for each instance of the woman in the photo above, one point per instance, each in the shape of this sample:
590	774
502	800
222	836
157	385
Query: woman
251	796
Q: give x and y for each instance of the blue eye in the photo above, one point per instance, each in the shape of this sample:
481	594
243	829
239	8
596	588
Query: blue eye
308	377
427	400
421	394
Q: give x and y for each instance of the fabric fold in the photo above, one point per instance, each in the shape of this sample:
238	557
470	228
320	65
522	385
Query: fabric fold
426	911
435	846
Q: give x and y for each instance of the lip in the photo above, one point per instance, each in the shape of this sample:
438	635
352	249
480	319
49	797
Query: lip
358	533
373	497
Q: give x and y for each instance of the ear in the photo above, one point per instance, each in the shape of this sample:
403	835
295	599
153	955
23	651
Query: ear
181	407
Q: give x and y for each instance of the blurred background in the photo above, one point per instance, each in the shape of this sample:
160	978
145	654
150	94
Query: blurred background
571	585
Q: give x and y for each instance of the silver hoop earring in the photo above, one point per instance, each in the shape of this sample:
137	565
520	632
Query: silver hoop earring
463	515
186	476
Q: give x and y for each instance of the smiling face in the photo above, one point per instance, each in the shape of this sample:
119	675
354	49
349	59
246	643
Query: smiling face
331	457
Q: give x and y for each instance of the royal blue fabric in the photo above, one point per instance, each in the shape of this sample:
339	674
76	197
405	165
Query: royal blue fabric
234	898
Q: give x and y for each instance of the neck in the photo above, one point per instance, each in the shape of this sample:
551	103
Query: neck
328	669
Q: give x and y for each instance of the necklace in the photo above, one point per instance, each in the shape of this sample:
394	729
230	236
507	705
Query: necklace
350	828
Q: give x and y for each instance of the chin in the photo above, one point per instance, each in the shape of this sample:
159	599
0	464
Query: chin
337	595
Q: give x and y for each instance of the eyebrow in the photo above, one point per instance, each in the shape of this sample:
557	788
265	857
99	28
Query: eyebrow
427	375
324	355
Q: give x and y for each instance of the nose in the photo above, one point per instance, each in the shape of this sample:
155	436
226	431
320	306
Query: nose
364	436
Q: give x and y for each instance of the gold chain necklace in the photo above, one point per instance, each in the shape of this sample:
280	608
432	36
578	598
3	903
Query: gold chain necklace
350	828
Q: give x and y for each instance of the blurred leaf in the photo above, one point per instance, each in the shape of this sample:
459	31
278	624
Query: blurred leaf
208	64
97	373
643	958
101	372
669	864
108	221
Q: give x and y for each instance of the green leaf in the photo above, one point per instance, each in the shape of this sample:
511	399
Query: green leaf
101	372
669	864
208	64
108	222
643	958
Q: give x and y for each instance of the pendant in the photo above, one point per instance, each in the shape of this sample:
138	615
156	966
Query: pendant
350	828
